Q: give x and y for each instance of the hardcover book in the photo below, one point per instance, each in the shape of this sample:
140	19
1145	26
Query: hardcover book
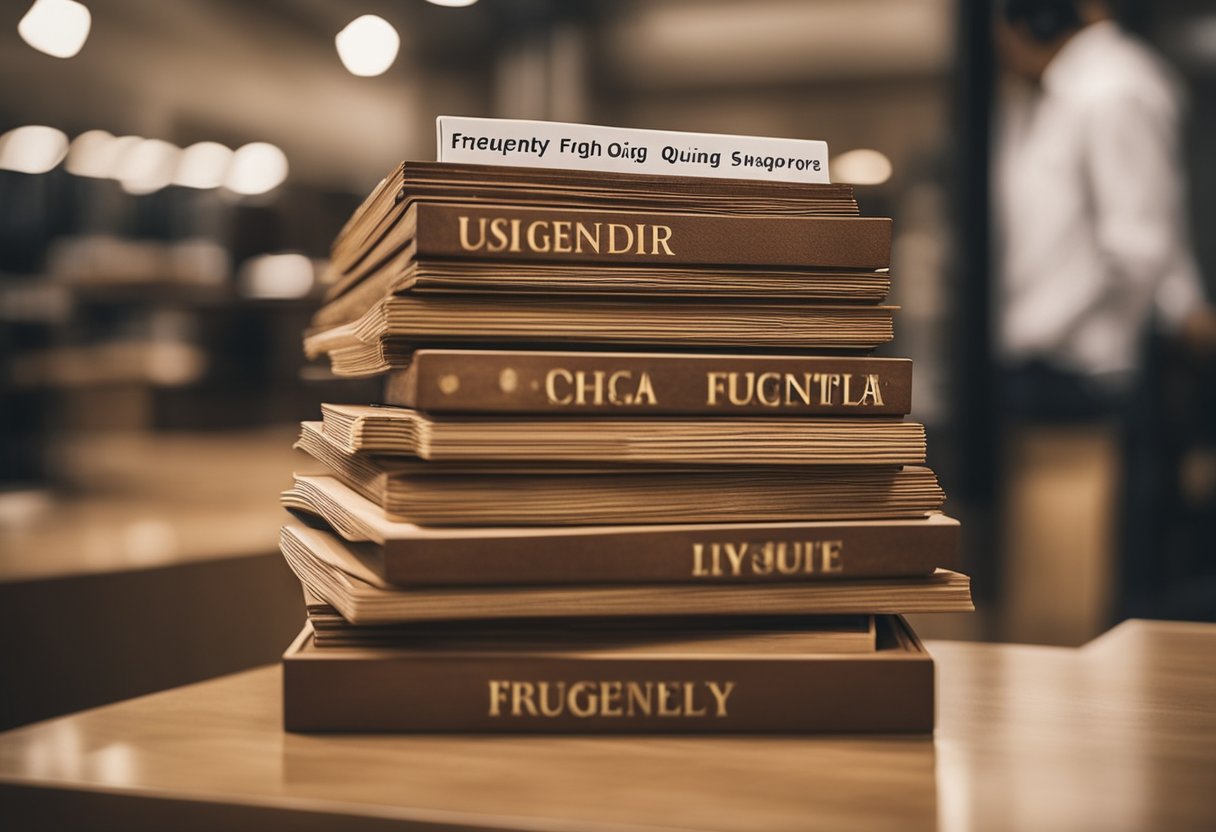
580	682
411	322
416	556
341	575
512	248
819	633
570	383
580	235
712	440
379	215
403	272
557	494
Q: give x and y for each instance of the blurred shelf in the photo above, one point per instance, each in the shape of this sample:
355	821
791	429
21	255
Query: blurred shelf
159	568
140	500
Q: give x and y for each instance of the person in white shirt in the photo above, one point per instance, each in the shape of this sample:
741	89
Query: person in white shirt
1092	252
1089	198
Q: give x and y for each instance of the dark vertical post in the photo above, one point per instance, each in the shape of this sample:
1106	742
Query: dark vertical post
974	409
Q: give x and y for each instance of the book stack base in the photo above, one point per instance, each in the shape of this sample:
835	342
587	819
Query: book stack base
787	677
659	487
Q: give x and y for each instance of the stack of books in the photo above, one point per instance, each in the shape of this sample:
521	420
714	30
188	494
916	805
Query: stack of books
633	470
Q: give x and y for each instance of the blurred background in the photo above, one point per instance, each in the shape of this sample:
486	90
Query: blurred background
171	176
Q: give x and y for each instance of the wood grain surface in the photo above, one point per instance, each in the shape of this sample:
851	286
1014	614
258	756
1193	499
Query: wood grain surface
1119	735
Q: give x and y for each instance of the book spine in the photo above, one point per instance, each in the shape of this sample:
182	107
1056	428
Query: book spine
712	554
587	147
529	693
515	232
561	383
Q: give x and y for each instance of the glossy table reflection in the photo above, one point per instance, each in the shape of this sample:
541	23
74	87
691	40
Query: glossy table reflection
1120	734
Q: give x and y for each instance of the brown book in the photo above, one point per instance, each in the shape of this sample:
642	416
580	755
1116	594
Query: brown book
559	494
513	232
708	441
569	383
375	226
342	575
356	348
402	271
416	556
821	633
583	683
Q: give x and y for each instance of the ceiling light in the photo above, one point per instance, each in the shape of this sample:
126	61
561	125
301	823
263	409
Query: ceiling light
278	276
861	167
56	27
147	167
368	45
34	148
453	4
96	153
256	168
203	165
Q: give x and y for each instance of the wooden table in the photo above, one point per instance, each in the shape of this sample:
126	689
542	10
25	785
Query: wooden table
1118	735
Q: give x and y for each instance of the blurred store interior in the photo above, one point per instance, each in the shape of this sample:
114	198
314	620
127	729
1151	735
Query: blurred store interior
169	192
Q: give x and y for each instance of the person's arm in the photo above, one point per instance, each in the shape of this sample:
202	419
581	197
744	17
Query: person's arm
1138	192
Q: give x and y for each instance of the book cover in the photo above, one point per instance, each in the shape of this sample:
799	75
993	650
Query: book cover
708	553
559	383
770	682
343	575
699	441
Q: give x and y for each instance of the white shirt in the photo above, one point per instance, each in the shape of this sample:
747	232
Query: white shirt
1089	204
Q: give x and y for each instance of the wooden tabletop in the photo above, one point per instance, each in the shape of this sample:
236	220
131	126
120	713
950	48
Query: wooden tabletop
1118	735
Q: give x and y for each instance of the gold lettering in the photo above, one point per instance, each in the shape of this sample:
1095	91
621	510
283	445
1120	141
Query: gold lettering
515	241
498	696
645	391
832	553
872	391
698	562
721	694
543	245
545	708
639	695
735	556
689	693
584	699
582	388
572	700
661	239
717	386
498	229
612	246
762	560
827	383
551	379
614	380
775	399
610	699
665	692
788	565
498	234
584	234
561	237
791	387
522	694
465	243
734	396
